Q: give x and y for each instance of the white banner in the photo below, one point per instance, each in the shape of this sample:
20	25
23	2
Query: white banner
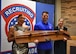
10	9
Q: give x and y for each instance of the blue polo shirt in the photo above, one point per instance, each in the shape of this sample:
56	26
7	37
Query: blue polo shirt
42	26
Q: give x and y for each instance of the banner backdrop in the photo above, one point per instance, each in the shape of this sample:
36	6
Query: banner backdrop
32	11
0	26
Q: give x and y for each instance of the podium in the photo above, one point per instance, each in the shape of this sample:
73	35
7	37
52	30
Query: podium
31	36
71	45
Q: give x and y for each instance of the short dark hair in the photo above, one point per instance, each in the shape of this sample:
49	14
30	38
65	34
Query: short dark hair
45	12
19	15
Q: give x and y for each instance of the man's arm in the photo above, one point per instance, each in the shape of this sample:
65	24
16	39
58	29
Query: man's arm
36	27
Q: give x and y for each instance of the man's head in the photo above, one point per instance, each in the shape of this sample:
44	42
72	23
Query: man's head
45	16
21	19
60	22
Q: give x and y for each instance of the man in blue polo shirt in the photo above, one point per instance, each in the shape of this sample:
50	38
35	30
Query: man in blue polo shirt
44	47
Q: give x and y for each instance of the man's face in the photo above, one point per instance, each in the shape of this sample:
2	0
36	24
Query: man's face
45	17
21	19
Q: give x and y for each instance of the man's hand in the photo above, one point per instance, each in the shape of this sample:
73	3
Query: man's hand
36	41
